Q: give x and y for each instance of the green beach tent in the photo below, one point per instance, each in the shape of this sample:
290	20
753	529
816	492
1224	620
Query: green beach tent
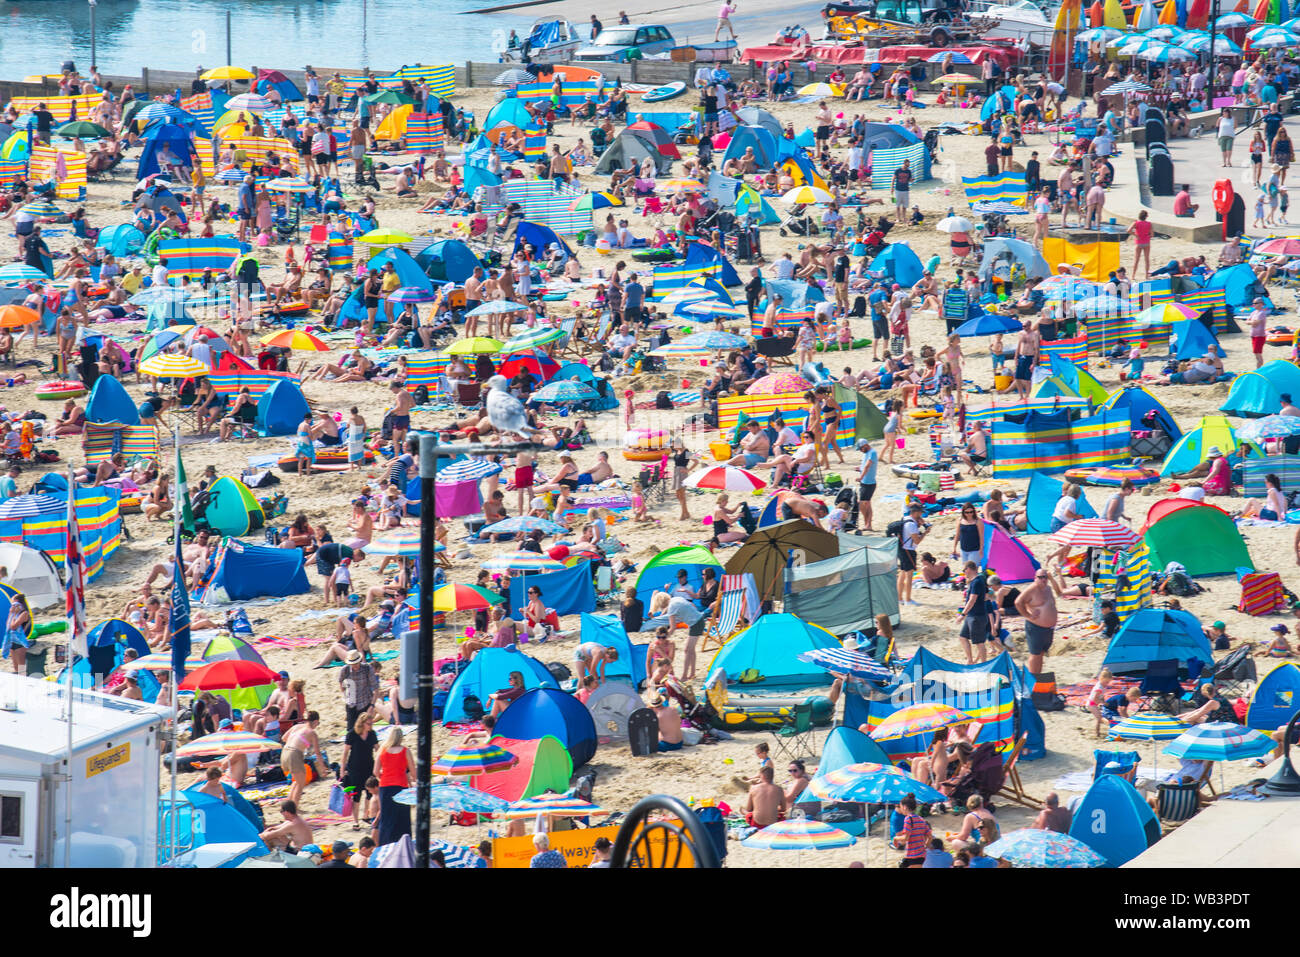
232	508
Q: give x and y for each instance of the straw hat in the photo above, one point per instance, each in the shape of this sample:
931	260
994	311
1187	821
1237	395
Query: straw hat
355	657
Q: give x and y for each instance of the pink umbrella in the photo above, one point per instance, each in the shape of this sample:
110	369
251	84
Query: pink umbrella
726	478
779	382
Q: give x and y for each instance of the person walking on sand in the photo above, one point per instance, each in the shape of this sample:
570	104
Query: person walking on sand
1141	233
724	20
1037	606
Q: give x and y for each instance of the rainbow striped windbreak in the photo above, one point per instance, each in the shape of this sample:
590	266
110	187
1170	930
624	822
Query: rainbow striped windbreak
793	408
257	383
98	522
192	257
1041	444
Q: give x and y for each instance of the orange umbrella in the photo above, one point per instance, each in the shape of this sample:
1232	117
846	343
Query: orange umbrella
15	317
295	339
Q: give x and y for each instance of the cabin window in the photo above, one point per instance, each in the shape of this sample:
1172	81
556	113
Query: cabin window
11	818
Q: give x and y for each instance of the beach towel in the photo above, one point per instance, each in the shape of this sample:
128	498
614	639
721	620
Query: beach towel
296	641
375	656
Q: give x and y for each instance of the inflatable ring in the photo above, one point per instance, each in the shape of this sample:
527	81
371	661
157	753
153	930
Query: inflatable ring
150	248
1280	339
555	297
61	389
655	255
643	455
925	414
332	456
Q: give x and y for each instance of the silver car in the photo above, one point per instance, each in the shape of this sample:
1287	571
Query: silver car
617	44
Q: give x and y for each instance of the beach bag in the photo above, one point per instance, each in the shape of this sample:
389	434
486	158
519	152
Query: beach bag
340	800
1179	584
472	707
239	623
272	774
896	346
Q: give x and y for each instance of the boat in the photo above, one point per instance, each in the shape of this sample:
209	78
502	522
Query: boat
550	41
1022	20
939	22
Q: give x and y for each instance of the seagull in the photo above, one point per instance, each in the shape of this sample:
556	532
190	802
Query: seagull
505	412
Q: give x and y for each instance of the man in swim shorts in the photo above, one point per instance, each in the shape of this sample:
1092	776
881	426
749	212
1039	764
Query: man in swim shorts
755	446
670	723
1026	359
1037	605
403	401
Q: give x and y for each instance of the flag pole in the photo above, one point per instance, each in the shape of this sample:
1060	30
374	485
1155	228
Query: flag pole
177	492
72	637
178	624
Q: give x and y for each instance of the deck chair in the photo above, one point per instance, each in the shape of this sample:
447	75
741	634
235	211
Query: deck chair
1162	685
1176	803
776	349
1234	671
730	608
1012	789
796	738
1127	761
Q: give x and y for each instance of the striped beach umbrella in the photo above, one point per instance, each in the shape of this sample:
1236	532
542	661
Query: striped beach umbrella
1148	726
1163	313
484	759
918	719
821	89
849	662
532	339
1101	306
557	804
461	597
1223	46
14	316
1162	31
403	542
30	506
870	783
1220	741
564	390
162	661
779	382
384	237
1225	21
522	525
1029	847
1126	88
17	273
513	77
227	742
289	184
1255	430
954	57
295	339
712	309
522	562
806	196
455	796
1098	35
496	307
169	365
42	207
474	346
405	294
799	834
467	469
231	175
679	350
728	478
1096	533
1068	287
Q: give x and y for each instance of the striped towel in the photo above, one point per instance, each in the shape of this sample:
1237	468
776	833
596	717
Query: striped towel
329	819
296	641
684	398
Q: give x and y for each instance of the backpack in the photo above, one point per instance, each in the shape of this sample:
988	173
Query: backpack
747	519
1179	584
421	395
663	400
472	707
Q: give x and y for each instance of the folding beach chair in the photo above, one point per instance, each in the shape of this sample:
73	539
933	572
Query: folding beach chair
1161	683
1127	761
1176	803
732	604
796	738
1012	789
1234	671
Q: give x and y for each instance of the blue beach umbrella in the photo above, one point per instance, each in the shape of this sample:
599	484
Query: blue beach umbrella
522	525
1029	847
1220	741
847	661
564	390
468	469
988	324
454	796
870	783
712	339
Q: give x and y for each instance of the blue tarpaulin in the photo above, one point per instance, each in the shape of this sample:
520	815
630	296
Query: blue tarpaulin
568	592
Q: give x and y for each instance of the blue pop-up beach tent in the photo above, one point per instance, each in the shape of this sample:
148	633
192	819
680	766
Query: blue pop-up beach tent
109	402
1157	634
1115	820
489	671
608	630
448	260
771	646
281	408
407	268
1276	698
1044	492
900	263
544	711
569	591
246	571
1259	392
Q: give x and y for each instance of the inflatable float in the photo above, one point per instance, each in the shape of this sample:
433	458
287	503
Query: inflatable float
754	713
665	92
913	470
332	459
655	255
61	389
645	445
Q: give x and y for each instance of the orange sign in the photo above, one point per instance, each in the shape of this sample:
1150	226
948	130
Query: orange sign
577	848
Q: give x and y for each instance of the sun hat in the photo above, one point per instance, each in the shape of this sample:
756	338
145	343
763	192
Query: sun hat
1214	451
355	657
1281	629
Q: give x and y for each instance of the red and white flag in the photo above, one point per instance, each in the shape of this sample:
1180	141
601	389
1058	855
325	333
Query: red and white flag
74	575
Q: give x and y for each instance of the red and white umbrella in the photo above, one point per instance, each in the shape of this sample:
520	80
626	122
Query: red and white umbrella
725	478
1097	533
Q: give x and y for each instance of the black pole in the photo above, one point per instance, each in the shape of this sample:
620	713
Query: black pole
424	677
1214	31
229	61
92	33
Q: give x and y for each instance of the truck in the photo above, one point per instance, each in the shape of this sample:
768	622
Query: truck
111	782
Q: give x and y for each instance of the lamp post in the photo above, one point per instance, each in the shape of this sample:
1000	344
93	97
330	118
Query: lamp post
1214	32
430	452
93	4
229	61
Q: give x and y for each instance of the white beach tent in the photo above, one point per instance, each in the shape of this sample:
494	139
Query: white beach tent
32	572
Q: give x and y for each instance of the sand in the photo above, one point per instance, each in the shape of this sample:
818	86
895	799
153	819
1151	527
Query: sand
704	771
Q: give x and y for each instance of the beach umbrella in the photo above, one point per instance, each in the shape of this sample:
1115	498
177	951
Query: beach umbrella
227	73
727	478
30	506
1148	726
522	525
42	207
1220	741
229	648
1126	88
513	77
1163	313
806	196
597	199
952	79
1068	287
950	56
675	185
1096	533
458	597
245	684
679	350
779	382
532	339
467	469
954	224
766	553
522	562
403	542
252	102
799	834
870	783
1223	46
455	796
14	316
1165	53
474	346
406	294
1166	31
1098	35
1101	306
564	390
849	662
227	742
232	175
1128	45
988	324
82	128
918	719
1256	430
1030	847
712	338
289	184
1264	29
392	97
1003	206
18	273
169	365
295	339
1283	246
496	307
484	759
713	309
1282	38
161	660
231	118
537	364
384	237
557	804
821	89
1225	21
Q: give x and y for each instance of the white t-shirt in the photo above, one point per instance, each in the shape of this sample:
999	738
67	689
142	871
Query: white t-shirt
1226	126
1064	506
824	310
910	530
784	268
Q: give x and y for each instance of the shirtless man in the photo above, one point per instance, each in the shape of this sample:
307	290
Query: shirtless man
670	723
766	804
403	401
300	742
294	833
1037	605
473	299
1026	358
212	785
977	447
755	446
801	506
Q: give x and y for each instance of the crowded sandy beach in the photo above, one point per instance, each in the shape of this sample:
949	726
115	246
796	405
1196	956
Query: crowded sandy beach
886	464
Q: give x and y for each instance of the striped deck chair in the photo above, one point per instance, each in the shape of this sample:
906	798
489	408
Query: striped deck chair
720	629
101	442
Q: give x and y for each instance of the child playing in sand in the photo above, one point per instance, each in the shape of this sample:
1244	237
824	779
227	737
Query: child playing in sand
339	584
1279	647
639	513
1097	696
1135	364
762	751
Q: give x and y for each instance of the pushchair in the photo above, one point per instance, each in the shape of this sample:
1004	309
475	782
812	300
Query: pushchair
699	714
799	223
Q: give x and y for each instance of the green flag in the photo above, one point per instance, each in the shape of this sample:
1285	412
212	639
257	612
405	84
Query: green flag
185	514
